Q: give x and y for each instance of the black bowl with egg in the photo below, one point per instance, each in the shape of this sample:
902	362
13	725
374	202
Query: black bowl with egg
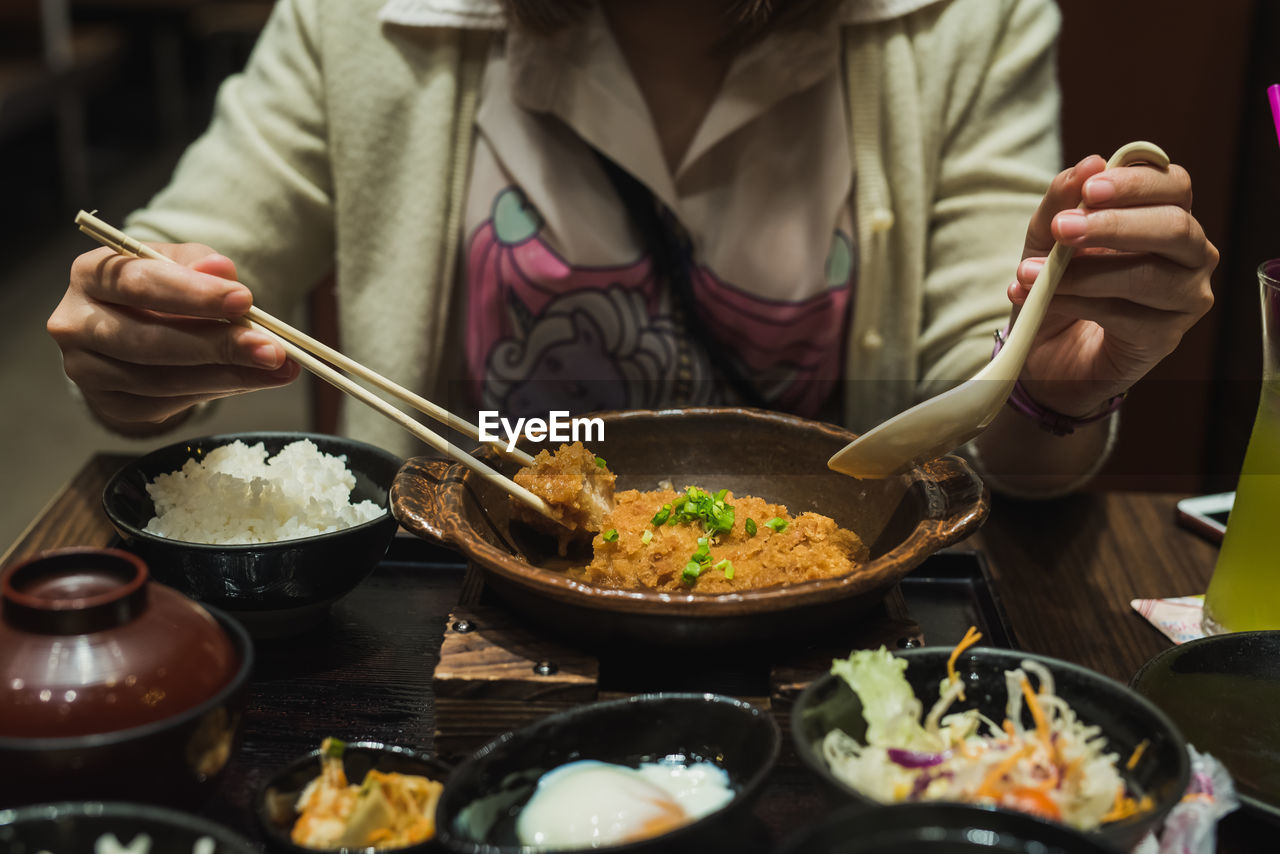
84	826
275	589
275	805
1124	718
484	796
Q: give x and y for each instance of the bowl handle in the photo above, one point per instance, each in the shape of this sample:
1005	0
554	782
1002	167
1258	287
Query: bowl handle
421	497
963	500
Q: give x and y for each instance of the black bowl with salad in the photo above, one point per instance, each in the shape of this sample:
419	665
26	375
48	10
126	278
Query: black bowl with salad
998	728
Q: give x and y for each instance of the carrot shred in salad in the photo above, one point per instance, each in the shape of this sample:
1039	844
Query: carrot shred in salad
386	810
971	637
1057	769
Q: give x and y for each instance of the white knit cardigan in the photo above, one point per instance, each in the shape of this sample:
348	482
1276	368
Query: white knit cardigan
345	146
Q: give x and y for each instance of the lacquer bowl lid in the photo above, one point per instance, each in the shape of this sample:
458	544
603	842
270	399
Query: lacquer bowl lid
89	645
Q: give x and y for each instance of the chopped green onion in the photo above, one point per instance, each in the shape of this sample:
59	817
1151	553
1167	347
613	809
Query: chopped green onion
723	519
751	527
777	524
600	462
725	566
646	537
702	556
611	535
692	571
697	505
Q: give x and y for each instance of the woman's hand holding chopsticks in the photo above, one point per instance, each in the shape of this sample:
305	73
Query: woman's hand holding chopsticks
109	300
144	339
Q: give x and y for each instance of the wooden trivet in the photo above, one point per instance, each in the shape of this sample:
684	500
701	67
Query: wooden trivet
497	673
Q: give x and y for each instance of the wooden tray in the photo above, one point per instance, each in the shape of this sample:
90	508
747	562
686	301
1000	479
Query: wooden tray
496	673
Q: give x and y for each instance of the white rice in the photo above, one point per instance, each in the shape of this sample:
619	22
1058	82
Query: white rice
237	495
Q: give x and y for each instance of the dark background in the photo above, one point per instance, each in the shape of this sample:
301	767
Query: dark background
114	95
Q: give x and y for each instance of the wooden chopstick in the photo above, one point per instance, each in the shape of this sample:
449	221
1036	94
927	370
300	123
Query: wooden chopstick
300	347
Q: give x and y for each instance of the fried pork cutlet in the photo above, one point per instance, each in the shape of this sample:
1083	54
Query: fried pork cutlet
577	485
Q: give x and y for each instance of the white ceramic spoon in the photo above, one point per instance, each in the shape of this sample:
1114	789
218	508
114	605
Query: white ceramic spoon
943	423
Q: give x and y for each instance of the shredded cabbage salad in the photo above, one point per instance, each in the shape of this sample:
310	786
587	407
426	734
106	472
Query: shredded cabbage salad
1058	769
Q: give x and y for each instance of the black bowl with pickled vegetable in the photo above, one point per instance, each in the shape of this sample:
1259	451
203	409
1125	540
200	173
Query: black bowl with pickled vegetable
276	803
1151	754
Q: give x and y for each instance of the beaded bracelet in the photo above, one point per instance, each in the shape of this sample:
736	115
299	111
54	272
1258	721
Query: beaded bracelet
1049	419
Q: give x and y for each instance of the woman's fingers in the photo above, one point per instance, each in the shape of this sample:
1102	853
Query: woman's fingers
1165	230
145	339
1153	333
139	337
200	382
1139	278
148	409
152	395
161	286
1145	280
1132	186
137	409
1065	191
150	312
215	265
164	287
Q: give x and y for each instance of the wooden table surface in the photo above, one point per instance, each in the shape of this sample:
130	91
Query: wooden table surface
1065	570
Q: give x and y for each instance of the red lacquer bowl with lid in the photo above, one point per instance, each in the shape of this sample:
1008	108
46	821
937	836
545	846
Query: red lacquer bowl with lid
112	685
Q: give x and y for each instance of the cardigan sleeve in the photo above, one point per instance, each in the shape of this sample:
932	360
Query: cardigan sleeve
998	149
257	185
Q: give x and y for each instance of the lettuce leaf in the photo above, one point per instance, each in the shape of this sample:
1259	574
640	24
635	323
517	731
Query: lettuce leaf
889	706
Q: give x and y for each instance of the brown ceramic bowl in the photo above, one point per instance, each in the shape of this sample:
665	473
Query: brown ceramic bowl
777	457
113	686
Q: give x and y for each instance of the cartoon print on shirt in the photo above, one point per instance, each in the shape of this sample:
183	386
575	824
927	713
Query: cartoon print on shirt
591	350
545	335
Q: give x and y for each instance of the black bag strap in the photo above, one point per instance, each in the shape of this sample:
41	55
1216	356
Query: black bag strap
672	255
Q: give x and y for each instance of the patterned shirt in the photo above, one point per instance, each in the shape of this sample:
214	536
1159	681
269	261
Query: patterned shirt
565	309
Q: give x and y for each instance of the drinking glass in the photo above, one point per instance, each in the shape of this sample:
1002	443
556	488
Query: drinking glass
1244	593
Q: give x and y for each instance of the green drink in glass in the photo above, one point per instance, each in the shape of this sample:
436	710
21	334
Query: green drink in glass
1244	594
